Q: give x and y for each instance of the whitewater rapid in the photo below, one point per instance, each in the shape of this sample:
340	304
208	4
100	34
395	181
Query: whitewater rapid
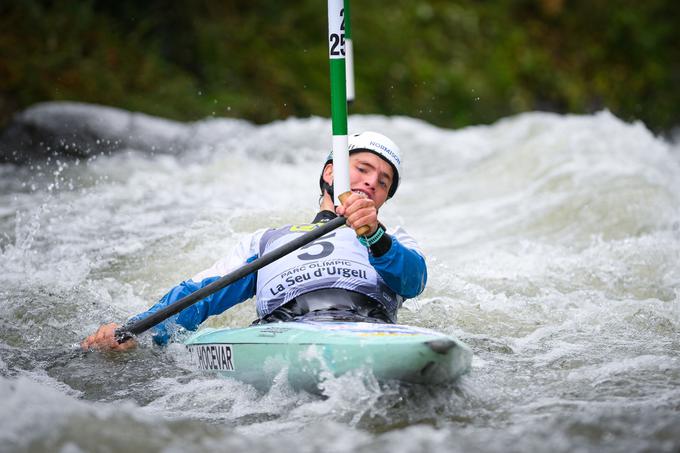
553	247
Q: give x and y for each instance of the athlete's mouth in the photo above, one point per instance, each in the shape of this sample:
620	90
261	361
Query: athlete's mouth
362	192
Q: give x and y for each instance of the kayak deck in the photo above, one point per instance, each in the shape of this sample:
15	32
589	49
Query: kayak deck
314	351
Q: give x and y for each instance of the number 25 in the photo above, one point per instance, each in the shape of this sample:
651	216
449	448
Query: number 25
338	40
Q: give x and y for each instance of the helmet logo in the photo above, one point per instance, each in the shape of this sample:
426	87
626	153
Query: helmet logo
387	150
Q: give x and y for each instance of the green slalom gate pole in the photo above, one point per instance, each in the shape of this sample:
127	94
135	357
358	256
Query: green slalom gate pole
349	54
336	55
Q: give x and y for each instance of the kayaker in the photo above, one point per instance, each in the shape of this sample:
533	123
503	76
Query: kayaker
338	277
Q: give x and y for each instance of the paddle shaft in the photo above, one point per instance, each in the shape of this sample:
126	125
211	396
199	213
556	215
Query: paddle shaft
127	331
336	42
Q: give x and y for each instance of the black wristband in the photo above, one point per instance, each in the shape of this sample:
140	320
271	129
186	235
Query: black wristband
383	244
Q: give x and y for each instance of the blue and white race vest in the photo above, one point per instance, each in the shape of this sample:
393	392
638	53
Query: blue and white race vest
336	260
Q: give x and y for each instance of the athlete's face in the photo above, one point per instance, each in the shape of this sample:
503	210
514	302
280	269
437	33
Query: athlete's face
368	174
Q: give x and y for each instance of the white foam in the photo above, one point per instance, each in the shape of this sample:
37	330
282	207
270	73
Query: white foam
552	244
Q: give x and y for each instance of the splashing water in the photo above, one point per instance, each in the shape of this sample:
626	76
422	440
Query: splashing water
553	245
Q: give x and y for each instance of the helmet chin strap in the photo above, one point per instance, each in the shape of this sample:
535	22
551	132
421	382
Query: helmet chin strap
328	188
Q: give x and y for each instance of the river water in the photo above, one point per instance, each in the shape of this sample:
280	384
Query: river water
553	246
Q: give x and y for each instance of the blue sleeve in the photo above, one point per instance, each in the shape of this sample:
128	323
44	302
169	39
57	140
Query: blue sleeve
191	317
403	269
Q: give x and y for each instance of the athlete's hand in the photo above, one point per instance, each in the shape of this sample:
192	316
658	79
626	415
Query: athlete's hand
360	211
104	339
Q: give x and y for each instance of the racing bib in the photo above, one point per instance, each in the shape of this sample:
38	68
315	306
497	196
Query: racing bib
336	260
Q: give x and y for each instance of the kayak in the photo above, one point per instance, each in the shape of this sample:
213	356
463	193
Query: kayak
310	352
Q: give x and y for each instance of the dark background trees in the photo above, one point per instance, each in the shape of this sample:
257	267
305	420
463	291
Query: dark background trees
451	63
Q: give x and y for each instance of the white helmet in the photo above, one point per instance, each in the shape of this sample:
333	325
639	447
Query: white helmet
377	144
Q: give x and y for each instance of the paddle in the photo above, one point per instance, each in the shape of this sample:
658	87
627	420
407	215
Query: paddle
336	46
127	331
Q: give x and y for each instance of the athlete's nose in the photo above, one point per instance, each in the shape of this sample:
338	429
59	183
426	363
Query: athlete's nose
371	181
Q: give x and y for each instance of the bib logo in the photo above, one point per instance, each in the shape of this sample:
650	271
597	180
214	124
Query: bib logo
319	273
304	228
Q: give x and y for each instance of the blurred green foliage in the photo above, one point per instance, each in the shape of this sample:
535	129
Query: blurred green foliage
449	62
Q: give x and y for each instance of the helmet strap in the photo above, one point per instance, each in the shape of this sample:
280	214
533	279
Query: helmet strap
328	188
